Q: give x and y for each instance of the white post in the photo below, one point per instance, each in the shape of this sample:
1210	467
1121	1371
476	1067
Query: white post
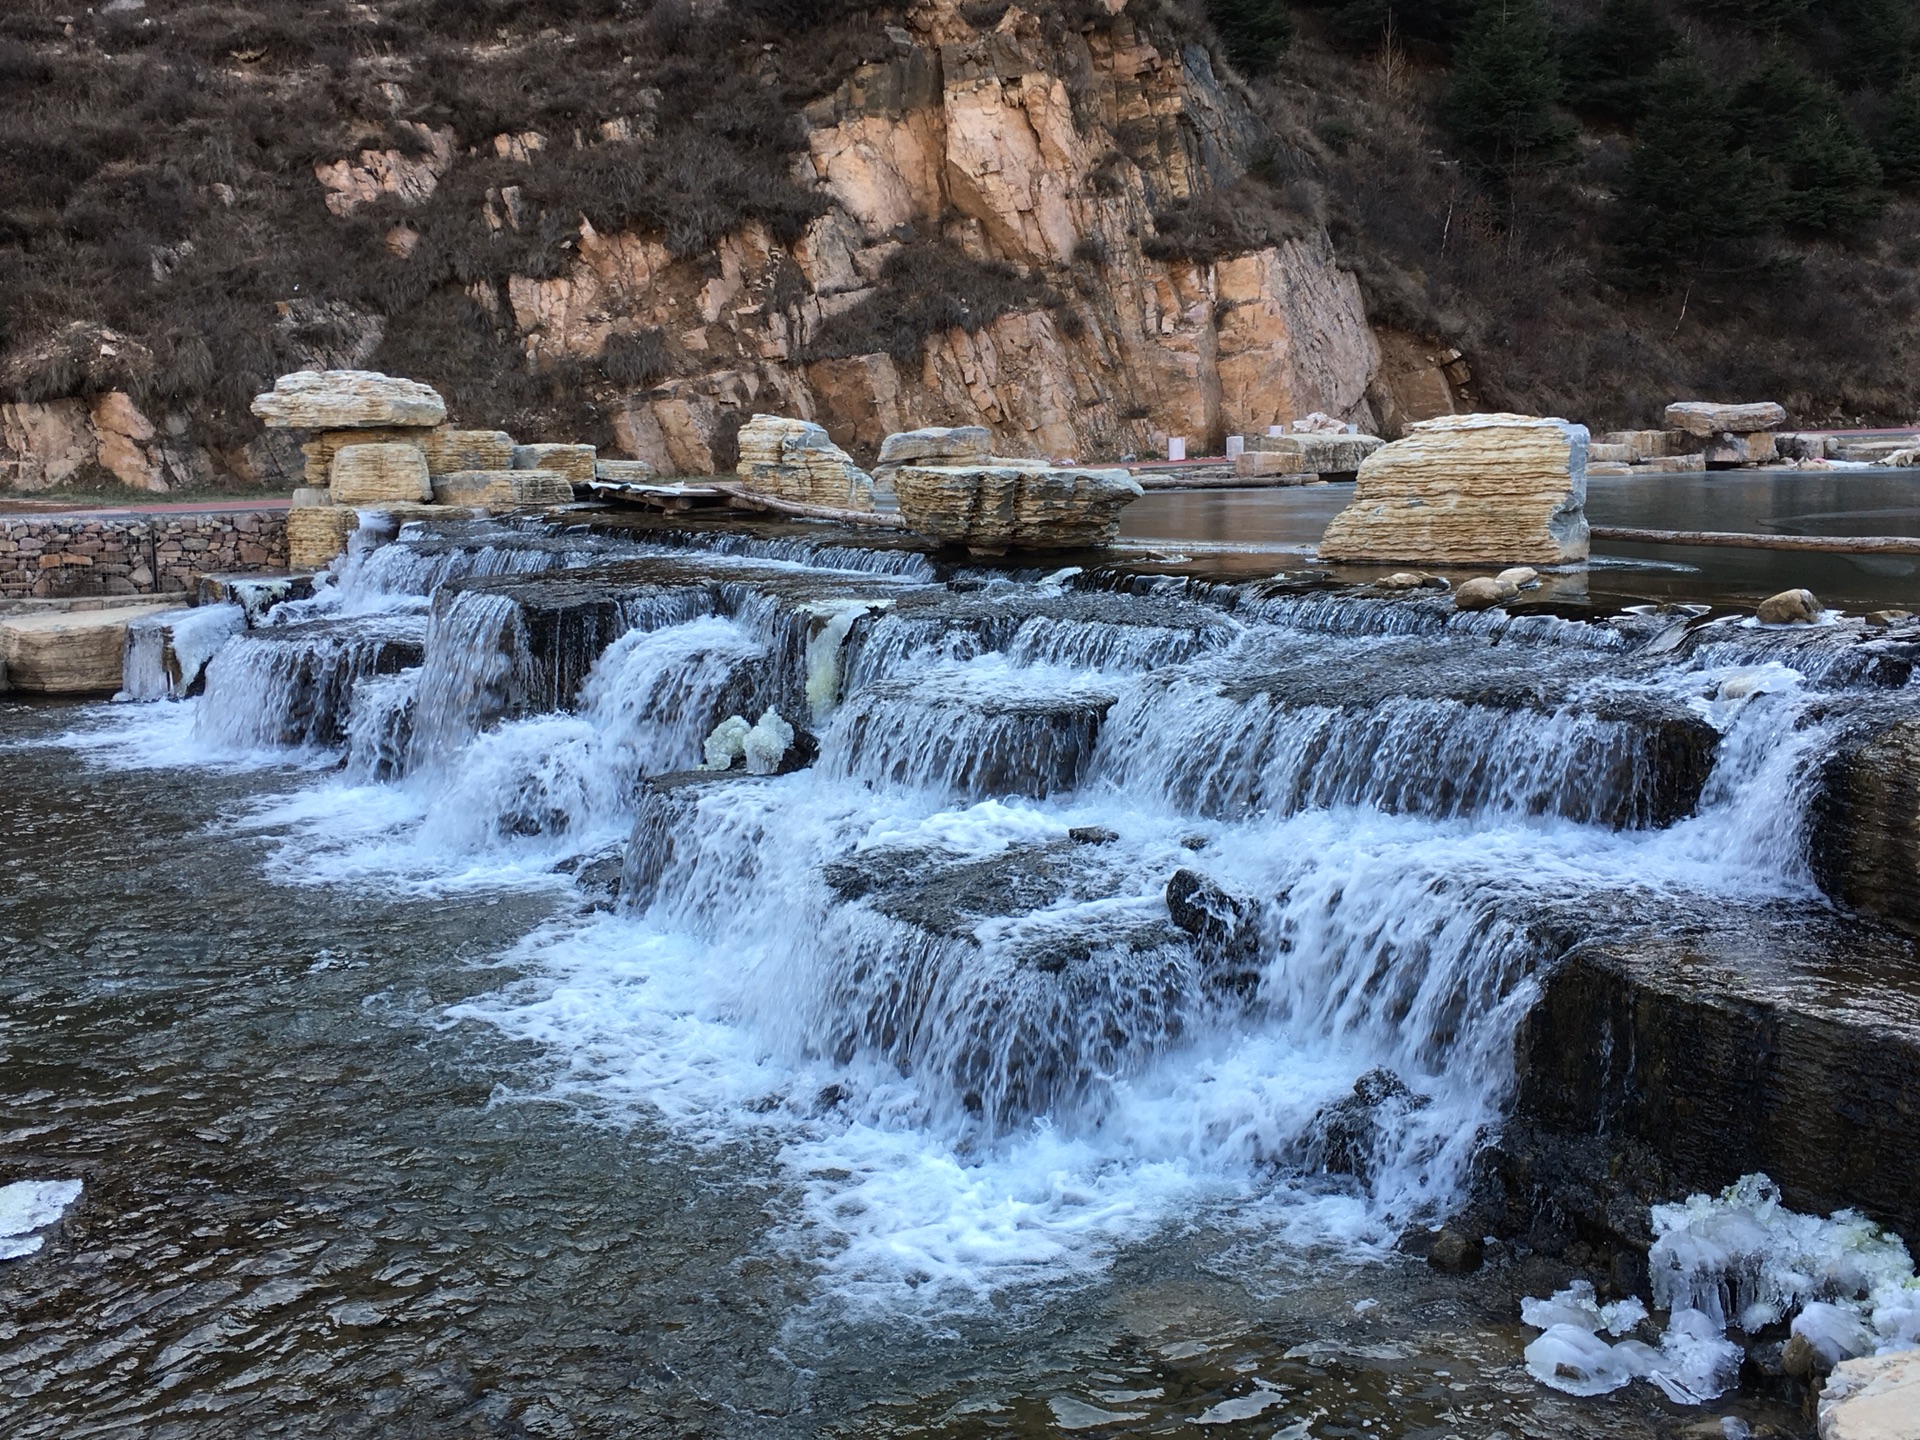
1276	429
1176	447
1236	446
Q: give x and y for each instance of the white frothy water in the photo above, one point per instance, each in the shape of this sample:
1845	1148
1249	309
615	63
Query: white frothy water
27	1206
973	1029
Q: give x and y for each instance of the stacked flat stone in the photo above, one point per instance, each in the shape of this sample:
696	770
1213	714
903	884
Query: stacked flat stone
937	445
795	460
450	451
1470	490
626	472
1307	454
503	489
347	400
1735	434
79	653
318	533
576	462
1014	504
379	474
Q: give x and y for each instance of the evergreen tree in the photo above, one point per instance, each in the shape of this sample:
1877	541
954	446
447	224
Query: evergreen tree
1608	64
1878	41
1763	17
1898	145
1832	180
1500	104
1825	172
1254	33
1692	191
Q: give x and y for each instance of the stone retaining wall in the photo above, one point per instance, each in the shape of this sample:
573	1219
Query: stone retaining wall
64	555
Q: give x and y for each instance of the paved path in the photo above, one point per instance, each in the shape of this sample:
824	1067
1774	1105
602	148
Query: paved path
14	506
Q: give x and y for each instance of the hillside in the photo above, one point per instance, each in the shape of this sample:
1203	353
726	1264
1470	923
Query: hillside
1088	224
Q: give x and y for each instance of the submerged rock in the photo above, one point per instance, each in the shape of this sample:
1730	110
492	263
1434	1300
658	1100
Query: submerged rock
1480	593
1345	1138
1789	607
1014	505
1455	1254
1470	489
1226	927
1866	840
347	399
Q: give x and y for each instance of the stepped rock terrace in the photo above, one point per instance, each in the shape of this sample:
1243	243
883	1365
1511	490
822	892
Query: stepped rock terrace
1126	965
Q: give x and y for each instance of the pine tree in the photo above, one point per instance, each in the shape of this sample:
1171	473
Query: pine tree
1763	17
1692	191
1898	145
1608	64
1500	104
1254	33
1825	172
1832	180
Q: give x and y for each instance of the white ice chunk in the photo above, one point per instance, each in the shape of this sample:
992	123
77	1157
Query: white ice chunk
1572	1358
1697	1361
1573	1306
727	743
1836	1332
765	745
29	1205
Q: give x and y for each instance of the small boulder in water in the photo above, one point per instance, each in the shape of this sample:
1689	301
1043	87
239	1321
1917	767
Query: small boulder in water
1453	1253
1518	576
1092	835
1347	1132
1884	619
1480	593
1789	607
1402	580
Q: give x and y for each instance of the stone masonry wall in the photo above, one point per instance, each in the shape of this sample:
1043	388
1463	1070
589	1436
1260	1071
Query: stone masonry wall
63	555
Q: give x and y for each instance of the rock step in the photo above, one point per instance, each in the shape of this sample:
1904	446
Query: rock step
77	652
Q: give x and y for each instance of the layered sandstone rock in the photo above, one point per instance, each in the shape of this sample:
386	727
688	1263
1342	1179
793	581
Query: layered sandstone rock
1705	419
1876	1397
1309	453
1867	848
347	400
320	450
79	653
316	534
794	460
1014	505
449	450
628	472
1736	449
937	445
503	489
1470	489
372	474
576	462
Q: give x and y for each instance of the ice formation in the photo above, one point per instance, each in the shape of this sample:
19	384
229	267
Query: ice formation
727	743
30	1205
766	744
1740	1259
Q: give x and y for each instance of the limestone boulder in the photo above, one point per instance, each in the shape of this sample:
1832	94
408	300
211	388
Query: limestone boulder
1644	445
346	400
317	534
1737	449
1320	452
503	489
1275	467
937	445
795	460
627	472
1789	607
449	450
1705	419
320	450
1467	490
1014	505
77	653
1483	592
376	474
576	462
1876	1397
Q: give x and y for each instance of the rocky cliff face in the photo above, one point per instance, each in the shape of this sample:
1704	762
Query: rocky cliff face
1049	152
1053	157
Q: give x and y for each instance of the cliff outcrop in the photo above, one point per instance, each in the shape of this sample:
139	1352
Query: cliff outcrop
986	221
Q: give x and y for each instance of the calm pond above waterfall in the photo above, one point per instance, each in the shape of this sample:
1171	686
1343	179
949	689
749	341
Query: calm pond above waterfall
912	1092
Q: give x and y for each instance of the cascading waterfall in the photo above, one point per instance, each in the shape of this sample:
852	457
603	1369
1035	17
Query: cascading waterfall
1096	907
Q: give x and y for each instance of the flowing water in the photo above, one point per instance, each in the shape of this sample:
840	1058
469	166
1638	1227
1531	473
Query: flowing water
979	1076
